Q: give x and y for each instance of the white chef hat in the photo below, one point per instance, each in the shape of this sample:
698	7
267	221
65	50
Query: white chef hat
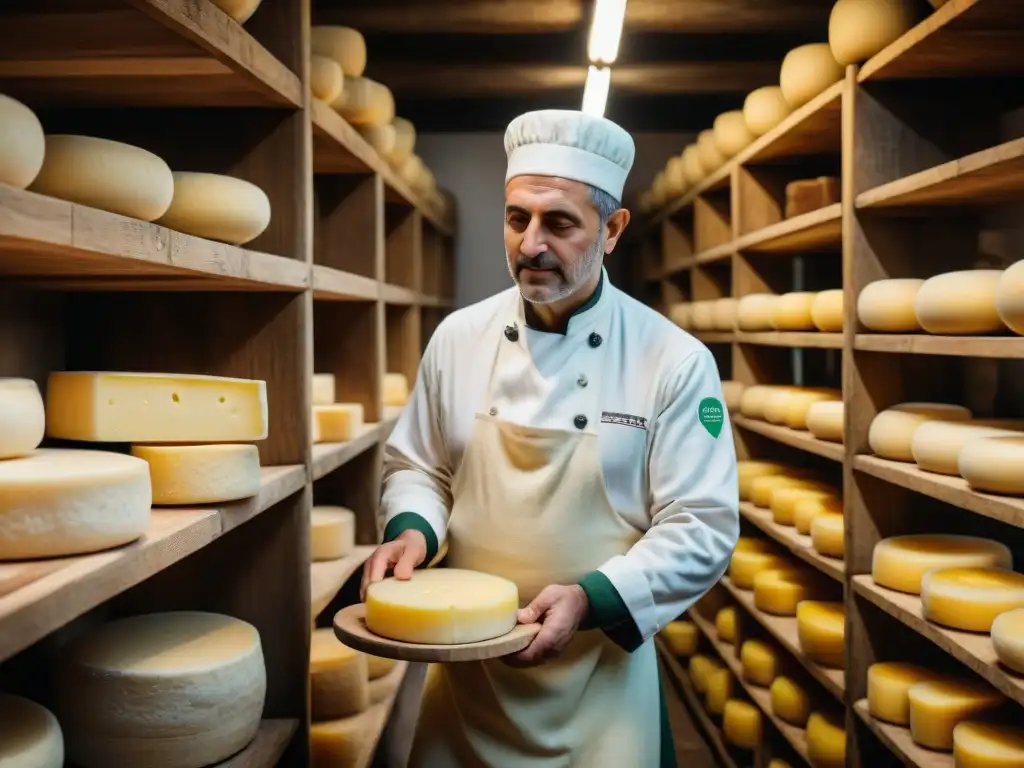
571	145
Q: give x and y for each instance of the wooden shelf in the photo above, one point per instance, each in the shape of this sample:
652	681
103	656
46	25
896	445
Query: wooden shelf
805	233
272	739
794	438
327	577
327	457
813	129
798	339
336	284
714	337
902	745
955	346
793	541
373	720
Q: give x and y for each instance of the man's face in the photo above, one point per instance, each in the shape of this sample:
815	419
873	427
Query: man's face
553	242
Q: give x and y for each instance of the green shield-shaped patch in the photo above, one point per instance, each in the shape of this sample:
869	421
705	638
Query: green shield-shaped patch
711	415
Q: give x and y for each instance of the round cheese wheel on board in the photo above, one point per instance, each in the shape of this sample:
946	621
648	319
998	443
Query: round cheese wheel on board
891	433
764	109
239	10
343	44
791	704
22	143
742	725
675	178
367	102
731	133
22	417
958	303
937	706
970	598
827	534
797	407
825	420
827	311
900	562
807	71
338	677
380	136
681	637
858	29
810	507
692	166
821	627
792	311
754	311
326	80
405	141
30	736
711	157
887	306
109	175
724	314
982	744
704	315
1009	295
1008	639
888	685
217	207
826	740
936	445
994	464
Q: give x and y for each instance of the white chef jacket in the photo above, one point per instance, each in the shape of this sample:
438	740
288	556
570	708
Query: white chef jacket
665	473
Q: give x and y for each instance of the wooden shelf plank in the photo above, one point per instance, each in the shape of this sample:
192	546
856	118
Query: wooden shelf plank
327	457
992	175
794	438
784	629
168	53
807	232
813	129
963	38
951	490
397	294
714	255
62	245
330	283
373	720
327	577
958	346
272	739
898	740
973	649
800	339
438	302
797	544
714	337
713	182
37	597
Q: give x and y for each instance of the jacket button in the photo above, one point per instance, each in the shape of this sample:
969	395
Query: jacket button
595	339
493	411
580	421
511	333
582	380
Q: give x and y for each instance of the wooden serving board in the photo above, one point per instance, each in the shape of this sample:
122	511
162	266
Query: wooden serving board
350	627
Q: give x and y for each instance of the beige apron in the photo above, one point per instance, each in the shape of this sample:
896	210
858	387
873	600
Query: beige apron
530	505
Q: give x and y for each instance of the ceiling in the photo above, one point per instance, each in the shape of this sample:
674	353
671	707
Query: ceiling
472	65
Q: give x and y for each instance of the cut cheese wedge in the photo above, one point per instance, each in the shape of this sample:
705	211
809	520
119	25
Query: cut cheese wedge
30	736
826	740
1008	639
323	388
888	305
809	508
958	303
681	637
332	532
22	417
936	445
443	606
217	207
889	683
825	420
936	706
821	627
760	662
900	562
741	724
201	474
790	702
970	598
719	684
891	433
979	744
338	678
725	624
827	534
779	591
337	422
395	389
994	464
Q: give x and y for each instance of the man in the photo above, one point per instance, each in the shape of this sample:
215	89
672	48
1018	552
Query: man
564	436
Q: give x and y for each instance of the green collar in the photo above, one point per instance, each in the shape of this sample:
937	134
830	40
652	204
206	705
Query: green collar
588	304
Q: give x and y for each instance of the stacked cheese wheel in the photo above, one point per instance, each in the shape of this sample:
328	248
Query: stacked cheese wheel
816	409
333	421
794	311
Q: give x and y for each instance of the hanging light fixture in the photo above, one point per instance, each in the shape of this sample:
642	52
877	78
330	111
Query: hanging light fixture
595	90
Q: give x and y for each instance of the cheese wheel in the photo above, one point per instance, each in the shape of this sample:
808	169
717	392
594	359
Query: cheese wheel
380	136
888	685
807	71
1009	289
332	532
798	406
936	445
22	143
679	312
367	102
442	606
900	562
970	598
326	80
104	174
1008	639
724	314
405	141
692	166
761	488
858	29
699	668
827	534
378	667
704	315
182	689
711	157
338	678
808	508
337	422
731	133
778	591
56	502
765	108
827	311
755	398
776	402
936	706
725	624
718	690
825	420
659	189
732	391
744	566
784	501
741	724
790	702
30	736
323	388
343	44
826	740
961	302
888	305
675	177
201	474
891	433
748	470
681	637
760	662
754	311
217	207
395	388
239	10
792	311
820	630
22	417
994	464
979	744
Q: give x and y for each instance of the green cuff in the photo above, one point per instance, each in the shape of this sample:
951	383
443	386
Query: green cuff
410	521
608	612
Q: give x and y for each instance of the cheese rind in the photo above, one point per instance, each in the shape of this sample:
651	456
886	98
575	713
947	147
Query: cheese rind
1008	639
806	71
978	744
443	606
779	591
764	108
338	678
164	690
732	393
711	157
792	311
936	706
323	388
760	662
336	743
888	685
723	314
784	501
122	407
30	736
725	624
962	302
699	668
826	740
900	562
681	637
994	464
217	207
380	136
692	166
821	627
763	489
744	566
888	305
891	433
367	102
970	598
337	422
858	29
345	45
827	534
936	445
718	690
827	311
326	80
1009	297
732	135
741	724
825	420
790	702
332	532
239	10
22	417
201	474
809	508
405	141
754	311
22	143
747	471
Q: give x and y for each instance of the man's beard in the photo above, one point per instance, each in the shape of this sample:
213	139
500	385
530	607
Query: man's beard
570	281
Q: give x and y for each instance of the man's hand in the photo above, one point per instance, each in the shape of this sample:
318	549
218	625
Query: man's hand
559	609
403	554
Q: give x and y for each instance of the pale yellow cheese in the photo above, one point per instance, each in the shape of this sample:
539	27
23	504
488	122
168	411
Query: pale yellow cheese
332	532
798	407
724	314
962	302
122	407
1008	639
217	207
780	590
776	402
323	388
343	44
699	668
741	724
936	706
337	743
681	637
888	685
731	133
826	740
888	305
858	29
405	141
970	598
338	678
675	177
711	157
748	470
56	502
680	313
825	420
337	422
725	624
201	474
30	736
22	143
718	690
820	629
891	433
792	311
936	445
827	534
326	80
900	562
754	311
979	744
744	566
994	464
380	136
239	10
778	763
764	108
703	317
827	311
395	387
762	488
442	606
732	392
807	71
809	508
784	500
790	702
692	166
22	417
367	102
1009	292
760	662
108	175
377	666
183	688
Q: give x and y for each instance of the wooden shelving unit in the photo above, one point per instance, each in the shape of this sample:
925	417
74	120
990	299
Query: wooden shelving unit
916	201
351	277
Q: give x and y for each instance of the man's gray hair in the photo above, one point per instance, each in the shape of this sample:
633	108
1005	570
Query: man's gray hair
606	204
